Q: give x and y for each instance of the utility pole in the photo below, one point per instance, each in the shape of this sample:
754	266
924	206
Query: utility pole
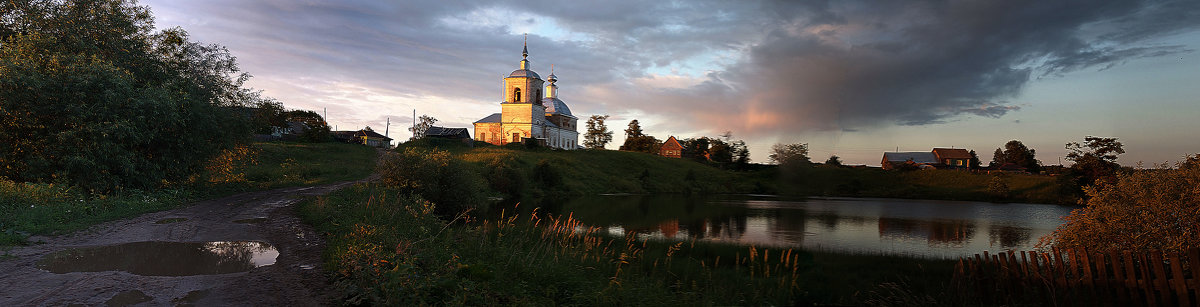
386	129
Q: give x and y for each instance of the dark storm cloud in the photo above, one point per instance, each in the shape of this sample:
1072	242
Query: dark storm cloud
791	65
929	62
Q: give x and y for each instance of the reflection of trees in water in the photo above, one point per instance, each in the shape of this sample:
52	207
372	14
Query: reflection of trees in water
1008	236
237	252
787	226
159	258
935	232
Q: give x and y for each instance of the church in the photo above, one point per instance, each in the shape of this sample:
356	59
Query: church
528	114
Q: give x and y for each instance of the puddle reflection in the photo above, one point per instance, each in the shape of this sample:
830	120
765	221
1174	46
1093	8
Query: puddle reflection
156	258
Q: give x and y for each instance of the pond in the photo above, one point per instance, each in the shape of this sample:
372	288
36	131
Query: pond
921	228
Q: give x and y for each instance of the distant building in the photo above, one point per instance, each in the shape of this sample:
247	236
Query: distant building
525	115
953	157
922	159
447	133
366	136
671	148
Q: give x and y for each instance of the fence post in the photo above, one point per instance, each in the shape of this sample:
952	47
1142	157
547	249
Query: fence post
1177	280
1160	277
1120	283
1194	264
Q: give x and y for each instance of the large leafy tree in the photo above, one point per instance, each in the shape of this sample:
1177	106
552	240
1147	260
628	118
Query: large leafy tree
91	95
1095	160
789	154
597	134
1017	153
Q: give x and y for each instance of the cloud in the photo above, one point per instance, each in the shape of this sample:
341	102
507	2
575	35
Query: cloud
756	67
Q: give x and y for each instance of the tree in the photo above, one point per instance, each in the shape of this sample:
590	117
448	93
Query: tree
789	154
720	151
634	130
1139	211
998	187
741	153
316	130
1095	160
637	141
422	126
834	160
90	95
597	133
975	163
1015	152
695	149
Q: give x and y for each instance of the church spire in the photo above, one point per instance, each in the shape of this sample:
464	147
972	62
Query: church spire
552	89
525	53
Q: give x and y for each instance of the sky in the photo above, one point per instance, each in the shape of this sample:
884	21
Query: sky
849	78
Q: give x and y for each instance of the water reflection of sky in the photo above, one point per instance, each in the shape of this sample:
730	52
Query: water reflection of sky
941	229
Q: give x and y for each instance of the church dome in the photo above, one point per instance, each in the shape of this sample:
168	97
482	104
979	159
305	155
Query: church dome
556	106
524	73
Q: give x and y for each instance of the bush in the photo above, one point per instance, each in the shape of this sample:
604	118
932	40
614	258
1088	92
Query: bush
434	175
1156	209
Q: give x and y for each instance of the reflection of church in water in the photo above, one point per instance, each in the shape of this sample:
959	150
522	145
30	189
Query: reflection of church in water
528	116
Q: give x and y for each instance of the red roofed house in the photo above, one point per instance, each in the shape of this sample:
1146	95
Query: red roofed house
953	157
671	148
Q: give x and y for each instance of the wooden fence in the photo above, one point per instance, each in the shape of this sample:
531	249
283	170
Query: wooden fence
1077	277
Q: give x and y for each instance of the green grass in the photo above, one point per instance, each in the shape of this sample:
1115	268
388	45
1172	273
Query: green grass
49	209
590	172
924	184
388	248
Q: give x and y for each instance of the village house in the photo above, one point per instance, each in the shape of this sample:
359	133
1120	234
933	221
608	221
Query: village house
526	116
365	136
953	157
671	148
921	159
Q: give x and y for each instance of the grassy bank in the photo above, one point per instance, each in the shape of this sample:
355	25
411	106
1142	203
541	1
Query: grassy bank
48	209
923	184
387	247
514	171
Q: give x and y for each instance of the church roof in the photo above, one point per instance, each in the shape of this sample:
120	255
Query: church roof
494	118
524	73
555	105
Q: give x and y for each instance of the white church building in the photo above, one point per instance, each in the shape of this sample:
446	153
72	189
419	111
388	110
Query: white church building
527	112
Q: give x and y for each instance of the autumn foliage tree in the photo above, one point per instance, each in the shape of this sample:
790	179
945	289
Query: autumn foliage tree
1156	209
93	96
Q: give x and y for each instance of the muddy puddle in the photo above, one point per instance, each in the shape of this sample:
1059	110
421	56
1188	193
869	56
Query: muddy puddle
155	258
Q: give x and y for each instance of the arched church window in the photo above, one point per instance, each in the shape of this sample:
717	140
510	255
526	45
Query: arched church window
517	94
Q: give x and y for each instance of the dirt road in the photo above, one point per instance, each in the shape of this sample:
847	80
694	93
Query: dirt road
295	278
